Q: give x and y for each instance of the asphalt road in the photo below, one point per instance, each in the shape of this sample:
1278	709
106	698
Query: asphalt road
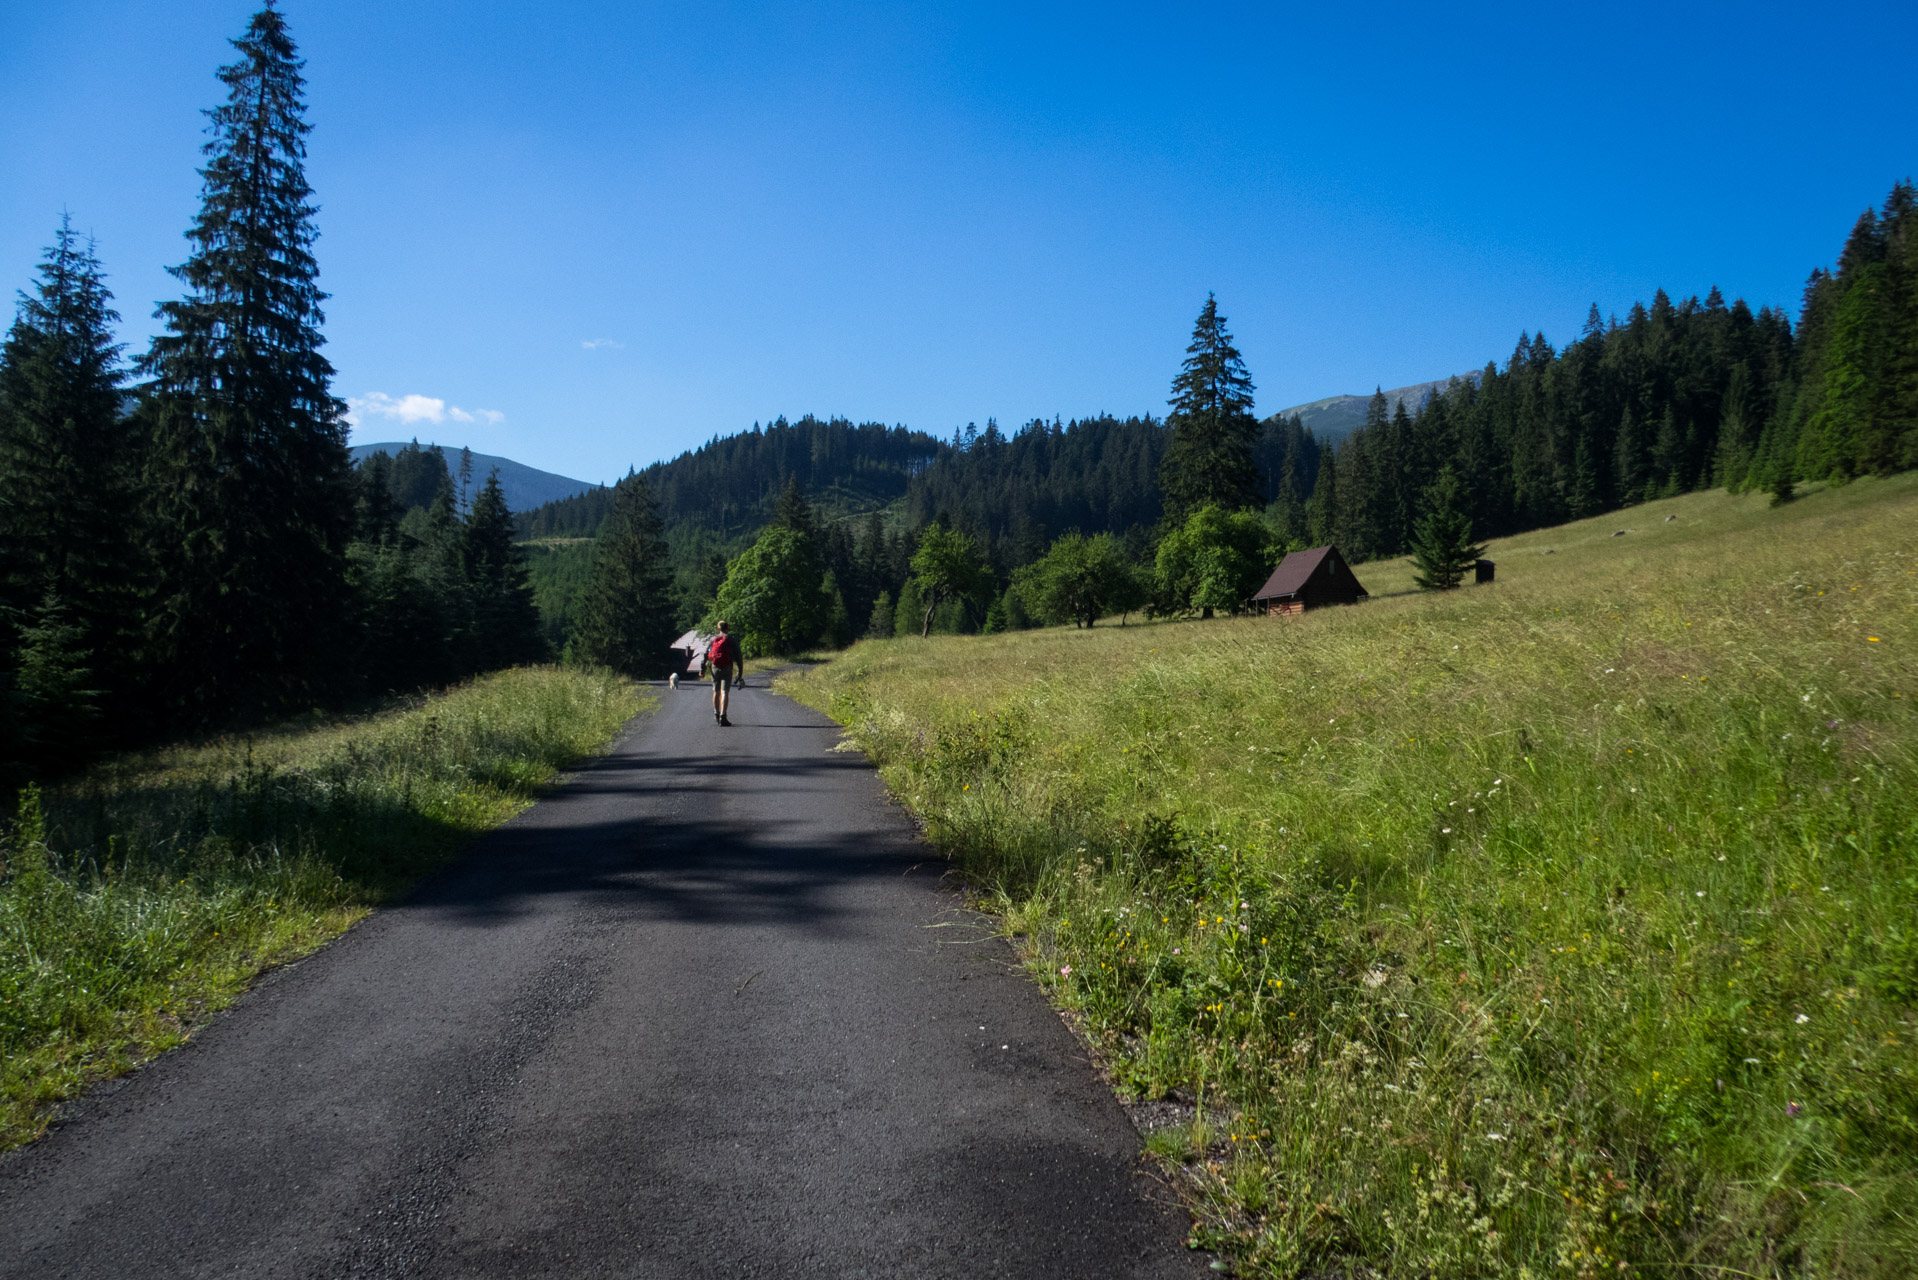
705	1011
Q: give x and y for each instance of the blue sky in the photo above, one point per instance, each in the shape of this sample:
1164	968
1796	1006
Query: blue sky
593	235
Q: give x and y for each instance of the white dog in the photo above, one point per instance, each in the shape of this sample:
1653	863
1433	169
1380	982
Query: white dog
673	679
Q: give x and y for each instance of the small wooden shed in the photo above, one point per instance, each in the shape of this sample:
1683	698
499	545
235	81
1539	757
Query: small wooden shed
1308	579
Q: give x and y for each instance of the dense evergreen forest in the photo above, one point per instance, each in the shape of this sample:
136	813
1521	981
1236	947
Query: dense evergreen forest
210	558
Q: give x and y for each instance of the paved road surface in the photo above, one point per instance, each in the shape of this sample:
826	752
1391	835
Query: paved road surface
705	1011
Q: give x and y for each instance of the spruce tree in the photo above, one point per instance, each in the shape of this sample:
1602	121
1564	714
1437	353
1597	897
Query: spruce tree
505	619
248	472
66	457
1208	459
58	698
626	620
1444	552
881	625
794	512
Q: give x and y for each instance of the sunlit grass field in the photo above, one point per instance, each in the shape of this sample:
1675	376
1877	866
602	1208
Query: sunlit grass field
1563	926
146	894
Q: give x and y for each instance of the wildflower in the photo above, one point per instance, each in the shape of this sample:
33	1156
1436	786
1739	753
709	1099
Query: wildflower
1065	971
1802	1018
1792	1108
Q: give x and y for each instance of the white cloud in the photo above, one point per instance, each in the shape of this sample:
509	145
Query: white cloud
414	408
594	344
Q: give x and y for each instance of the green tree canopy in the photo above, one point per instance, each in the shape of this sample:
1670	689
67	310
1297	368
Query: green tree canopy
1078	580
1215	560
1208	460
948	566
774	597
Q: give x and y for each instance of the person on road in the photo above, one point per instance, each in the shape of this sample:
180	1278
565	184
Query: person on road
723	657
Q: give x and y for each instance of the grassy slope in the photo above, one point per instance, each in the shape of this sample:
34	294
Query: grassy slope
166	882
1567	925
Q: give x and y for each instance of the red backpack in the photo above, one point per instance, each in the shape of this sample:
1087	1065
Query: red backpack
721	653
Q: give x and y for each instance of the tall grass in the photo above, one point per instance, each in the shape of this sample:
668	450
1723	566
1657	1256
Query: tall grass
1563	926
145	894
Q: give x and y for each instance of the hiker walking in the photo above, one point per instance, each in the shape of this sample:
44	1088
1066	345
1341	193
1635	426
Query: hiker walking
722	658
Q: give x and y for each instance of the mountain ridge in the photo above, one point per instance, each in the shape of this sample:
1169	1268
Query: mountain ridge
525	487
1335	417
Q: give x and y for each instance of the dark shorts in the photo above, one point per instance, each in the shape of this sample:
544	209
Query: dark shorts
723	682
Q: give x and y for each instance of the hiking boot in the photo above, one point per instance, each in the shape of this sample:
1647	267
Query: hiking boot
723	720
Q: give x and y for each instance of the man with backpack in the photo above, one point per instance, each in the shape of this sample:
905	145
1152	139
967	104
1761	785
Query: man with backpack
723	659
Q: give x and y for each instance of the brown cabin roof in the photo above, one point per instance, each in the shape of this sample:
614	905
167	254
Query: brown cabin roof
1297	569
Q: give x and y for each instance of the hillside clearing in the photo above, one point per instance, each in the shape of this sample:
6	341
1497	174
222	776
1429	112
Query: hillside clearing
1557	926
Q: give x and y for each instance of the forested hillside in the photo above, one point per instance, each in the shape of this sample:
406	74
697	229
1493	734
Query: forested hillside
1675	397
727	487
210	558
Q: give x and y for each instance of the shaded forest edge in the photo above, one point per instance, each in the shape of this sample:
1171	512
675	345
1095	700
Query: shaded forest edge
139	898
1562	926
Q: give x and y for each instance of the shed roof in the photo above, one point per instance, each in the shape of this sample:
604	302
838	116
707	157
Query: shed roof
691	640
1298	568
1292	573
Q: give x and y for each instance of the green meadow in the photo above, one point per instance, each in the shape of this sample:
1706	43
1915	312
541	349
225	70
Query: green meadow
145	895
1561	926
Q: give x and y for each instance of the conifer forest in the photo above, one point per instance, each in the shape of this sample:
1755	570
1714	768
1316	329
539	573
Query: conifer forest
185	546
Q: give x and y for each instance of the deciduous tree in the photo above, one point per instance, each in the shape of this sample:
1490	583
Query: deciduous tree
1215	560
948	566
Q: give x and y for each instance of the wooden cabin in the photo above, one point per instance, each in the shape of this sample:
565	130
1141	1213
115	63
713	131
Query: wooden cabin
689	653
1307	580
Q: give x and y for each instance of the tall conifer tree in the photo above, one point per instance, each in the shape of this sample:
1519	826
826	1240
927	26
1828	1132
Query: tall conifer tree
1208	460
505	619
249	467
626	620
65	533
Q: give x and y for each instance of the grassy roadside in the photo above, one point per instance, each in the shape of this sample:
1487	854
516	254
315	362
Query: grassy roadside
1567	926
145	895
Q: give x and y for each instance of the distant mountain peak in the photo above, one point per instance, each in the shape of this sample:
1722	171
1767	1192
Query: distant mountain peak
1336	417
525	487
